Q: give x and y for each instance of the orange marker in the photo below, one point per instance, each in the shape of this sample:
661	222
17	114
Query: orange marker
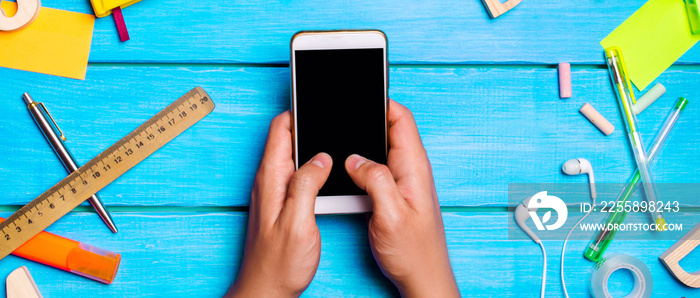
72	256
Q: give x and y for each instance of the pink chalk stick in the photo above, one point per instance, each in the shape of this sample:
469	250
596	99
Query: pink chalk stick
597	119
121	25
564	80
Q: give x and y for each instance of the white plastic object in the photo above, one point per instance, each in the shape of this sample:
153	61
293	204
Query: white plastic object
580	166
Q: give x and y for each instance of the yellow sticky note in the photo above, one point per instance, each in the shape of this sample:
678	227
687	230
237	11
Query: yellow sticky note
652	39
57	43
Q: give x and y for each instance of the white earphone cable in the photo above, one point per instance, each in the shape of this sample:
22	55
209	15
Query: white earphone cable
563	248
544	270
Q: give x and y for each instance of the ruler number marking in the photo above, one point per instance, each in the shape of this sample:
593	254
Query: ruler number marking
58	200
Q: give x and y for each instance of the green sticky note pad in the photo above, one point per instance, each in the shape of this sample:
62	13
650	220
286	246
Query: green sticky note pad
652	39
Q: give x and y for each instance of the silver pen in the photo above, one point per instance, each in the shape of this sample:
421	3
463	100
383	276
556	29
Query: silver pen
62	152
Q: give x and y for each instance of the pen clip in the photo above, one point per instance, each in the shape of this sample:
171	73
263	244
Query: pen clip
63	137
623	72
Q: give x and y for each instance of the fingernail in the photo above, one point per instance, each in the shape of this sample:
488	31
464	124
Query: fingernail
355	161
321	160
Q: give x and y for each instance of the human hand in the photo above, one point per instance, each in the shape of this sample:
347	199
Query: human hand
283	244
406	231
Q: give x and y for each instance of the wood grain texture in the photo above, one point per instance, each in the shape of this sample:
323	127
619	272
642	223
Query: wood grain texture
484	93
496	8
451	31
672	256
20	284
483	127
27	12
198	254
109	165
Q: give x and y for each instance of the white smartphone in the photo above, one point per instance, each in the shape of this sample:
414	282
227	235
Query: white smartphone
339	106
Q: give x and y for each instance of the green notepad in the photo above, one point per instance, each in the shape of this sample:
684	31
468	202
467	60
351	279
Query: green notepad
652	39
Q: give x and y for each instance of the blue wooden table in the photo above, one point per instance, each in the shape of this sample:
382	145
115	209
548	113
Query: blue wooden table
484	93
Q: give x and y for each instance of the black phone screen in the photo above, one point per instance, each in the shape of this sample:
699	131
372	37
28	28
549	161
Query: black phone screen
340	110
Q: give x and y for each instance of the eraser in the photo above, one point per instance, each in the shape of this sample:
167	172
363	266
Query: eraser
648	98
597	119
564	80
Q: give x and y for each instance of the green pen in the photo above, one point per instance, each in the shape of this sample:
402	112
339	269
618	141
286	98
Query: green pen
693	10
594	251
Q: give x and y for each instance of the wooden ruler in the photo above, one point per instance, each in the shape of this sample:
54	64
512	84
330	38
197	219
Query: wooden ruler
103	169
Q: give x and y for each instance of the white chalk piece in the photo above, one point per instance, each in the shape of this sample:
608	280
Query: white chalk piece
648	98
564	80
597	119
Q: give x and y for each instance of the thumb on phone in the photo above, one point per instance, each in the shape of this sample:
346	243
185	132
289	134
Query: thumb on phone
377	180
305	184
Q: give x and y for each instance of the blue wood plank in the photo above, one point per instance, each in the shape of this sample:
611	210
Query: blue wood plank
483	127
197	254
454	31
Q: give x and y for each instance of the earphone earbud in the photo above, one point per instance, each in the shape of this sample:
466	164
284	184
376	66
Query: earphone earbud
575	167
580	166
522	213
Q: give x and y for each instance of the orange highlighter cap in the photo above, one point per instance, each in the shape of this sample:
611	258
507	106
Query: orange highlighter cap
70	255
94	263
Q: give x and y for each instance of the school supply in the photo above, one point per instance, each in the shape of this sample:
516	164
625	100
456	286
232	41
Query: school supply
648	98
625	95
596	248
27	12
564	70
693	10
104	8
677	252
495	8
20	284
597	119
57	43
643	283
652	39
69	255
62	152
41	212
574	167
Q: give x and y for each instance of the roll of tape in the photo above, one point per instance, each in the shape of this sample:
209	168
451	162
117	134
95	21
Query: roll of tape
643	283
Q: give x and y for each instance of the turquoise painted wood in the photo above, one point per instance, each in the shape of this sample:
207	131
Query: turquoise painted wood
185	259
483	128
484	94
454	31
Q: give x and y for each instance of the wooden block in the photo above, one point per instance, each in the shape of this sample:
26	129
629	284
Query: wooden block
20	284
27	11
677	252
496	8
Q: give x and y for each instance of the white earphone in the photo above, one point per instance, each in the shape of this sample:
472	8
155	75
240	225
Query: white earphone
522	213
580	166
575	167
